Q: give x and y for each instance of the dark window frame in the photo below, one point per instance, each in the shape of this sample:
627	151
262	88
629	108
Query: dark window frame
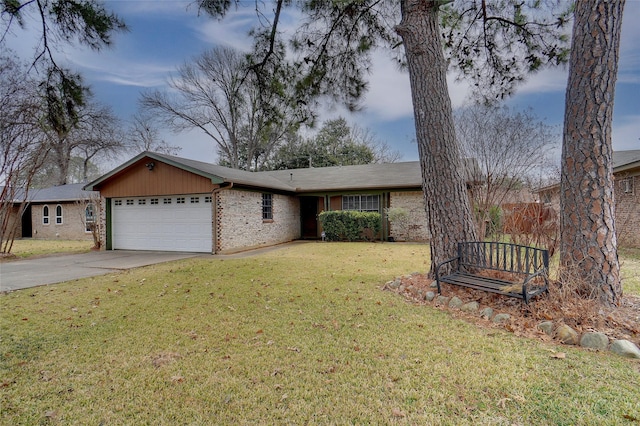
267	207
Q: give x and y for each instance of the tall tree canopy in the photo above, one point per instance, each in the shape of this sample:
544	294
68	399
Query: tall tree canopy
588	244
496	44
335	144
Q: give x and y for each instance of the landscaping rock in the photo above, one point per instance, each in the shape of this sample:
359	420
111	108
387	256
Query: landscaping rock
429	296
470	307
434	284
567	335
394	284
486	313
625	348
455	302
402	288
442	300
594	340
499	318
547	327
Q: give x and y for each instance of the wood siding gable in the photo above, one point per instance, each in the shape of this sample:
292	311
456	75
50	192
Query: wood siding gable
140	179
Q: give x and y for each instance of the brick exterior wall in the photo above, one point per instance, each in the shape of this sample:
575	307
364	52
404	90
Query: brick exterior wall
72	227
413	202
239	220
628	211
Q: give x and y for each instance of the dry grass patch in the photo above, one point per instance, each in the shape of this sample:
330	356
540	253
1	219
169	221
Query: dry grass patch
301	335
32	247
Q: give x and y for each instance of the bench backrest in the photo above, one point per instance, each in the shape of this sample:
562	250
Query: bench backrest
502	257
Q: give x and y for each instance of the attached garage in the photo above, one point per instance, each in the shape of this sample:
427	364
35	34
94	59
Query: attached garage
167	223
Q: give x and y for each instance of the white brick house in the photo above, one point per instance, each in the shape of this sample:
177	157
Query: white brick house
161	202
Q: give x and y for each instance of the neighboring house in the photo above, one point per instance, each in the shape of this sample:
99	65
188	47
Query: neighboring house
64	212
626	172
161	202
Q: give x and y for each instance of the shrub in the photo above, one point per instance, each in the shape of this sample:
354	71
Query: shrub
490	220
399	218
350	225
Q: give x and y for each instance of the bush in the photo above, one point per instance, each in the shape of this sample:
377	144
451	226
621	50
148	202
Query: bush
350	225
490	219
399	218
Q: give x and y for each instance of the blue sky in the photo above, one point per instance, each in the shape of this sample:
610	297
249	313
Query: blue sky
164	34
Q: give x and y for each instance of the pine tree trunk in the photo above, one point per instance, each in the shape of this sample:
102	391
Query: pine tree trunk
443	182
588	245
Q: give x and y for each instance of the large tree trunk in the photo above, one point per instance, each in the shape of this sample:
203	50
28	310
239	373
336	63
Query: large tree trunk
443	183
61	157
588	246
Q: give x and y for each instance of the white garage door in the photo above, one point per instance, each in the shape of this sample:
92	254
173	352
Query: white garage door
176	223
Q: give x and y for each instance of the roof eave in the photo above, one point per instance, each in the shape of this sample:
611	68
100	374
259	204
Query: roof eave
92	185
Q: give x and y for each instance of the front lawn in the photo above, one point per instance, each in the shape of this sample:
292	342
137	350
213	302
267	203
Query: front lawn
630	270
301	335
30	247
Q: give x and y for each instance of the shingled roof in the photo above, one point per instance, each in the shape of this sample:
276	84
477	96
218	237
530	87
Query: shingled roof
321	179
56	194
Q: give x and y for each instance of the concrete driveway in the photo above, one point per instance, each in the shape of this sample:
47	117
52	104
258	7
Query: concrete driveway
55	269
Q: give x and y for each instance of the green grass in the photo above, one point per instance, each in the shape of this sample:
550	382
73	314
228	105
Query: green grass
302	335
32	247
630	270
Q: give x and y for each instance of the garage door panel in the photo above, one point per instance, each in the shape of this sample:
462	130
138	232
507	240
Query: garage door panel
162	226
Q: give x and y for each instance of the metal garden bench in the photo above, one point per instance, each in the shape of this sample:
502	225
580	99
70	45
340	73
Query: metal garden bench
503	268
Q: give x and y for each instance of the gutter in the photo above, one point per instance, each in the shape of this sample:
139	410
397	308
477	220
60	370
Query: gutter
215	213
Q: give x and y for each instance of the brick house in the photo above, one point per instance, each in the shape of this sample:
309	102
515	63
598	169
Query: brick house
162	202
58	212
626	172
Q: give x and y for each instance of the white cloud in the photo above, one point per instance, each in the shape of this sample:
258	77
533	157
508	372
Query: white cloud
231	32
626	135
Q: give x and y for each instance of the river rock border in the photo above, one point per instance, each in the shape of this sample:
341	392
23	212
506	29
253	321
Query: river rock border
561	333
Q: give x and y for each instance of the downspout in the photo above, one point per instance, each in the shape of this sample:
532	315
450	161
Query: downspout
214	206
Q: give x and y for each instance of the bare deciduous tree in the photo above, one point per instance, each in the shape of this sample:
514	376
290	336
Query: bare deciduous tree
215	94
512	150
143	135
21	145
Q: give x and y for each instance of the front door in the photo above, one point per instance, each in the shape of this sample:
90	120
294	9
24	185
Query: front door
309	217
27	229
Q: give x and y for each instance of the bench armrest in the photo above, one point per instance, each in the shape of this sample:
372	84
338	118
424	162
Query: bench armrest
437	270
544	271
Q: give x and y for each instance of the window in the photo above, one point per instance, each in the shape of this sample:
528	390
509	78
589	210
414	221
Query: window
58	214
154	201
117	202
195	200
207	199
142	202
89	217
180	200
267	207
362	203
166	201
626	185
45	215
129	202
